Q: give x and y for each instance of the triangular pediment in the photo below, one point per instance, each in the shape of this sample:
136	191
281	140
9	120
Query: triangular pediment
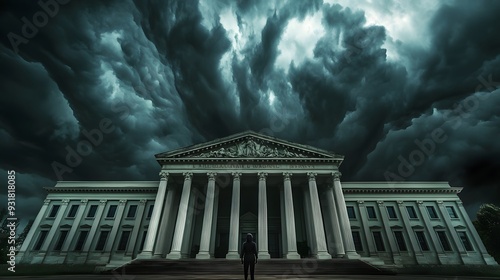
248	216
248	145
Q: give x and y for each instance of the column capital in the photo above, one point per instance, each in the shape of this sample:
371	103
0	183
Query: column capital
361	203
84	201
262	176
103	201
380	202
420	202
336	175
312	176
287	175
187	176
143	201
164	175
211	176
236	175
440	202
65	201
46	201
400	202
459	203
123	201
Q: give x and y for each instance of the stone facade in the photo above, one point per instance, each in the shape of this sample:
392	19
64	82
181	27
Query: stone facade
288	195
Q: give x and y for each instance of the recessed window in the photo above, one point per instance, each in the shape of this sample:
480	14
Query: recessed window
432	212
111	211
131	211
350	212
72	211
444	240
81	240
53	211
400	240
102	240
92	211
422	241
356	237
60	241
379	243
411	212
465	240
41	239
150	211
392	212
371	212
122	245
452	212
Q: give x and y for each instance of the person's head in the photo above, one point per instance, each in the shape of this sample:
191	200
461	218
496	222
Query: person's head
249	237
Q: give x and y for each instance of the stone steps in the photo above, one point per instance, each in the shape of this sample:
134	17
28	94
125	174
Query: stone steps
264	267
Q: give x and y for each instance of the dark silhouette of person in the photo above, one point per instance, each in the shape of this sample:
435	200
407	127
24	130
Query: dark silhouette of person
249	256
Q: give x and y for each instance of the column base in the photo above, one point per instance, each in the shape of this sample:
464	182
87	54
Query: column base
322	256
232	255
264	255
489	260
203	256
147	255
174	255
352	256
292	256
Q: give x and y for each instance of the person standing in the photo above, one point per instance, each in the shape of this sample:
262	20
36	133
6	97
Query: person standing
249	256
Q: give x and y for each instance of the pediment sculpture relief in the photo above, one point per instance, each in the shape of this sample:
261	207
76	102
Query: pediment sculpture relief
250	148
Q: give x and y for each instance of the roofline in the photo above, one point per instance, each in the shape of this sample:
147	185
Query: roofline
243	134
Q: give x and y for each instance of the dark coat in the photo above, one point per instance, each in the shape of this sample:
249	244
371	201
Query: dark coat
249	251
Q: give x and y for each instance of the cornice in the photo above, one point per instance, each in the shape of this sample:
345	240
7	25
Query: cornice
409	190
101	190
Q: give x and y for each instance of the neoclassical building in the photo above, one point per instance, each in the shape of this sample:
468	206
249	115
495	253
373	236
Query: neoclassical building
289	196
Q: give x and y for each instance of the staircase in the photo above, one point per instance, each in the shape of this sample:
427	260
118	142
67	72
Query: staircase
284	267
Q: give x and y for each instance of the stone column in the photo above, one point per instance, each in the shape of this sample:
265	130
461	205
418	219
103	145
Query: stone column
234	226
262	223
34	227
337	234
419	257
452	230
345	225
193	210
487	257
207	218
366	228
95	225
214	224
75	226
318	227
137	227
432	233
284	241
290	218
116	225
396	256
164	235
175	252
147	251
55	225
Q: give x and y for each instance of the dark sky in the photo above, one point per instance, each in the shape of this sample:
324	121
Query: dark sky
407	91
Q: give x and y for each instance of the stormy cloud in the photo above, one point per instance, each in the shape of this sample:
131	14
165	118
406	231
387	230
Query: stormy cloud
406	91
